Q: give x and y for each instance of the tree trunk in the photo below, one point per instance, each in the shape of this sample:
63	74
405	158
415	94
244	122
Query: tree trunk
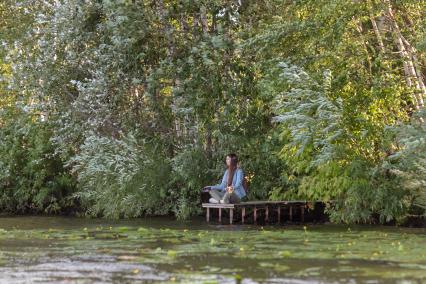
378	34
412	73
203	19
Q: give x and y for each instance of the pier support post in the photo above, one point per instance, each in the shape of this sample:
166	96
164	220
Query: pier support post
266	213
243	214
208	214
231	215
279	214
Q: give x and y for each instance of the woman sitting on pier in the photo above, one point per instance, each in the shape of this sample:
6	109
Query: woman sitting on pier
231	189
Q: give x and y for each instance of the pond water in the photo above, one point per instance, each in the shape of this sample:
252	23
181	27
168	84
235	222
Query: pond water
150	250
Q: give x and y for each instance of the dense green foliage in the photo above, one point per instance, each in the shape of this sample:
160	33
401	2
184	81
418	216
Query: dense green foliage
127	108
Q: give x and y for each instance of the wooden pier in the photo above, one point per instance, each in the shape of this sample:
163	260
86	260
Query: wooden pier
294	207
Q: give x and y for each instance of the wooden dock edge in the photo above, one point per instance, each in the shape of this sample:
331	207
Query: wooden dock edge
259	205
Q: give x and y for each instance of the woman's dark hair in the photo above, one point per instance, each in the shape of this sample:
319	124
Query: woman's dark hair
232	167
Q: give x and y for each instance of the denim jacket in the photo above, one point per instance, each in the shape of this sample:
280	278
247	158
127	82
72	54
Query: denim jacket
237	183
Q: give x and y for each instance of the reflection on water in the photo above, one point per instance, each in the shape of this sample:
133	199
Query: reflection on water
77	250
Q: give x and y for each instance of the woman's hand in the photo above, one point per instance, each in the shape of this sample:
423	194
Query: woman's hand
230	189
207	188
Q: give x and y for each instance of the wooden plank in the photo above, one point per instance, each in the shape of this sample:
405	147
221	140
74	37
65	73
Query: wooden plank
268	202
251	203
217	205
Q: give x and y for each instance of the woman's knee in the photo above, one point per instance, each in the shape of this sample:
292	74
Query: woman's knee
215	193
234	198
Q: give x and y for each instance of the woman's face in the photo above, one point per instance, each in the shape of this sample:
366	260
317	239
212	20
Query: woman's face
228	161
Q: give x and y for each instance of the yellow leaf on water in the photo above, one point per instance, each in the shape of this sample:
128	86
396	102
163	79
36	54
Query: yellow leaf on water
285	253
171	253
